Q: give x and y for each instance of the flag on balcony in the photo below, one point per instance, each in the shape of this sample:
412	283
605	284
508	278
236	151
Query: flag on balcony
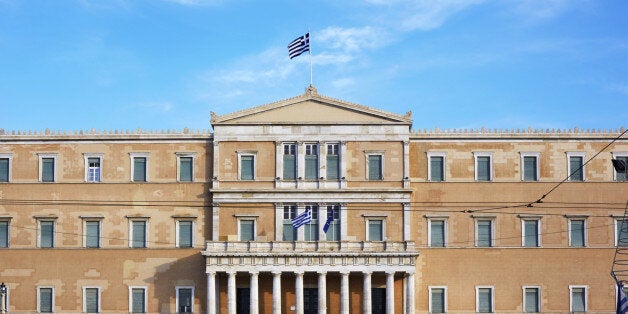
330	218
622	300
299	46
302	219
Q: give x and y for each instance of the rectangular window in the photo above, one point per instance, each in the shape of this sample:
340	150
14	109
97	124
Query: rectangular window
185	232
289	233
247	230
531	232
46	234
576	167
484	301
140	169
577	229
185	299
374	165
137	300
531	299
436	168
48	169
92	234
620	167
621	232
483	168
93	169
45	300
333	162
437	229
138	234
311	228
438	297
484	233
578	299
333	217
289	161
4	233
311	161
529	167
5	167
91	300
375	230
186	168
247	167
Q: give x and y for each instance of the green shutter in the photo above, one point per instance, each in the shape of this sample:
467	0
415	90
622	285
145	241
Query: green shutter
91	300
577	233
438	300
531	233
375	167
623	176
48	170
185	169
529	168
484	168
437	233
138	303
577	300
4	234
532	300
289	167
4	169
139	169
92	236
45	300
436	169
247	232
185	233
333	167
484	300
484	233
575	168
185	300
311	167
622	233
139	234
246	167
376	230
47	234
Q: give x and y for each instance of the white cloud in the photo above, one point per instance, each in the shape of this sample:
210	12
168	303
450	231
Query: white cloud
159	107
621	88
542	10
343	83
196	3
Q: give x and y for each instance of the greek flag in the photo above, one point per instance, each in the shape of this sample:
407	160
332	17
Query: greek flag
299	46
622	301
302	219
330	218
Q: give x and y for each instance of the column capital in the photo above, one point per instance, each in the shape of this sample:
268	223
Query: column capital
368	272
344	273
322	272
299	273
276	272
253	273
390	272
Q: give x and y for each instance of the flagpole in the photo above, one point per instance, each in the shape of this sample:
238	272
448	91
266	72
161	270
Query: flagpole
310	34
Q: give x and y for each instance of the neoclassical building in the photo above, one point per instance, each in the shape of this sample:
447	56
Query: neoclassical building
400	221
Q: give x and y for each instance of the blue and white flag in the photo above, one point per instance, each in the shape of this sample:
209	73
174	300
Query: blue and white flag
299	46
302	219
330	218
622	300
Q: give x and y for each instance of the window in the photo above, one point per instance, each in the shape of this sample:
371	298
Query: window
311	161
46	233
577	298
47	167
375	229
374	166
139	167
333	217
4	233
91	300
483	166
436	167
289	161
92	233
185	299
575	166
246	229
484	232
530	166
247	166
5	167
438	300
289	233
137	299
436	232
484	299
311	228
186	167
622	158
93	167
138	234
333	161
621	232
531	235
185	233
531	299
45	300
577	234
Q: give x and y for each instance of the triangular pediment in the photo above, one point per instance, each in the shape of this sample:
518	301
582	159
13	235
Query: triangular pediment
311	108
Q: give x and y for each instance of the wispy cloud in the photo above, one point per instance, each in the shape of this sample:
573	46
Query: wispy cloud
157	107
538	11
621	88
197	3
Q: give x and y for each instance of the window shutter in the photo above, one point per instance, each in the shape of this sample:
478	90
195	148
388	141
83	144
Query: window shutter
532	300
577	233
484	233
47	233
529	168
185	300
437	228
484	300
436	169
575	168
621	176
247	230
311	167
438	300
375	230
4	234
484	168
622	233
185	169
139	169
4	170
333	168
289	167
48	169
91	300
185	234
531	233
375	167
139	234
45	300
92	234
577	299
246	171
138	304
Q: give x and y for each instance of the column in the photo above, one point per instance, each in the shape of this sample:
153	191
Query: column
231	292
215	221
406	222
322	292
344	293
410	293
406	164
211	292
276	292
299	292
366	294
390	292
254	299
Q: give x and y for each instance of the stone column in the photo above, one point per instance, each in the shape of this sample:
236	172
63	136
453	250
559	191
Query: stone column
390	292
211	292
276	292
344	293
299	292
322	292
231	292
254	306
366	294
410	293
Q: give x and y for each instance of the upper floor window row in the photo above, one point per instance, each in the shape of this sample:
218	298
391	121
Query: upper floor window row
310	161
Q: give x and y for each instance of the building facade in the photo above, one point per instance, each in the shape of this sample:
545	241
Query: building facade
401	221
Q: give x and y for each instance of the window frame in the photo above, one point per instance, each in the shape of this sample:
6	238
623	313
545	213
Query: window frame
85	233
431	155
146	232
537	170
52	297
9	158
177	289
614	155
477	298
52	220
335	146
52	156
618	221
133	156
585	236
477	155
99	294
538	298
177	228
382	162
240	219
370	219
253	171
430	288
86	158
7	220
131	288
192	156
586	297
430	220
491	240
335	225
583	169
538	231
292	150
309	147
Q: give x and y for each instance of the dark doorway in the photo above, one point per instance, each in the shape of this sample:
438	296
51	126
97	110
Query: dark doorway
378	300
243	300
310	300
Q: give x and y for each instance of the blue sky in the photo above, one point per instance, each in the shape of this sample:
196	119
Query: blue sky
117	65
